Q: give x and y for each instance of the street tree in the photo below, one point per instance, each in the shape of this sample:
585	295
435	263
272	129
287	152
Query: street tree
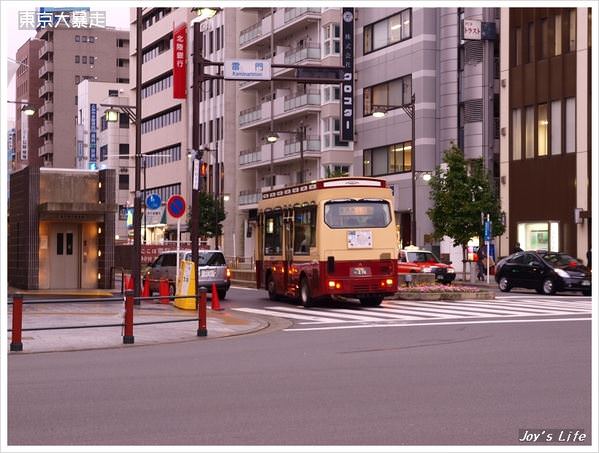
211	214
461	191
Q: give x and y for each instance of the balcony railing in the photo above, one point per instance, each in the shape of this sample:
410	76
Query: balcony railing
250	115
46	148
295	101
47	47
294	56
250	33
292	13
45	88
312	143
48	66
249	156
246	198
48	107
45	128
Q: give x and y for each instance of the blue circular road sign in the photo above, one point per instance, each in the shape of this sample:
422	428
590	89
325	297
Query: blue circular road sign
153	201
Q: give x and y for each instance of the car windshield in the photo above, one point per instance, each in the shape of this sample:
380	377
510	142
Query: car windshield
208	259
357	213
422	257
559	259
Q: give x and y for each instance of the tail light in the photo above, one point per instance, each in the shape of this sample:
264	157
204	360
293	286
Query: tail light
228	271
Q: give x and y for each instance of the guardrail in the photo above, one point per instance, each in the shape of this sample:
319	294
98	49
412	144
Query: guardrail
16	343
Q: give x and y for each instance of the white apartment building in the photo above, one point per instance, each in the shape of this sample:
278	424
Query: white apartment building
103	144
302	36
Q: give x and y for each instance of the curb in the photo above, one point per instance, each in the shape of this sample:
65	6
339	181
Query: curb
486	295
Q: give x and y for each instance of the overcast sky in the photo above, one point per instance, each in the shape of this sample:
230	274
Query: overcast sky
115	17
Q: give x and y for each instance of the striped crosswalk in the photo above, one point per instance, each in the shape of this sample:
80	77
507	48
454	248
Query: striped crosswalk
397	311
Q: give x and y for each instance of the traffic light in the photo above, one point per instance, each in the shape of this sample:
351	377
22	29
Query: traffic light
203	168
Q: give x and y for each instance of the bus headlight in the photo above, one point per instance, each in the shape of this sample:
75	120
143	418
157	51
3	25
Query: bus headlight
334	285
389	282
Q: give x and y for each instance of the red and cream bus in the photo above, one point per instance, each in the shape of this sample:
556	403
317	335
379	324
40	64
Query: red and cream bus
332	237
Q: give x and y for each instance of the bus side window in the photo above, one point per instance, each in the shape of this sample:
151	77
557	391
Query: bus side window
304	235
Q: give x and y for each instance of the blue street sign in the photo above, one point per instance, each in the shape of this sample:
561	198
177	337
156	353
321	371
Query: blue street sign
153	201
487	230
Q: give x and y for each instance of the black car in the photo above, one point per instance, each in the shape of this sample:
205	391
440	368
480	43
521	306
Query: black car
545	272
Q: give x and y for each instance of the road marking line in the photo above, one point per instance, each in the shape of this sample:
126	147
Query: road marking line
544	303
443	323
535	306
473	311
498	308
326	313
317	319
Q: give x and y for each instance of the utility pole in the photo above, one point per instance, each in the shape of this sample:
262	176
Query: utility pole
136	265
198	75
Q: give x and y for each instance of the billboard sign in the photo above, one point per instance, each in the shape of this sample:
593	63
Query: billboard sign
347	86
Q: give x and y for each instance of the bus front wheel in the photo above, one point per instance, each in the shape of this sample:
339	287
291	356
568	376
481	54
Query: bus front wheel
371	301
305	298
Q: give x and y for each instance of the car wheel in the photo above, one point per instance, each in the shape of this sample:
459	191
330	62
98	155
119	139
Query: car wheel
271	288
504	285
548	287
222	293
304	293
371	301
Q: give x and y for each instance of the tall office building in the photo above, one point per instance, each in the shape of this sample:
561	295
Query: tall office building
68	56
447	58
28	86
546	129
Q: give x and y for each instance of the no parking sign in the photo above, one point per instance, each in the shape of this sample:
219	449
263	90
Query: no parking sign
176	206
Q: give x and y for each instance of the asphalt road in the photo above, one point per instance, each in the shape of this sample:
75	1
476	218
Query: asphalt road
418	385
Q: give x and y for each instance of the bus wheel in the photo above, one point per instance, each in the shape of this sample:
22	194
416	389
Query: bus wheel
371	301
305	298
272	290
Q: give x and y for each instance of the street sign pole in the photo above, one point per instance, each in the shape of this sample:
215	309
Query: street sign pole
488	239
178	245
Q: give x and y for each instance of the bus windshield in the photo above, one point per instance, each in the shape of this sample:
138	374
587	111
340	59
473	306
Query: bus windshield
357	213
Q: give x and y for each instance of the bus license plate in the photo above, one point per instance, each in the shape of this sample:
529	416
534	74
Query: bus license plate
360	271
586	283
207	273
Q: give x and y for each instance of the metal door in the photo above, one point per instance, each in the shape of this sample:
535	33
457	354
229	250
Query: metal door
64	256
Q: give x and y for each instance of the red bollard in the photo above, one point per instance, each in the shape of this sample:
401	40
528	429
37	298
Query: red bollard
16	343
164	299
128	337
202	331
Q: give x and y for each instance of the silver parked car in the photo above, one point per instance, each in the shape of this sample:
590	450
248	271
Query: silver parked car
212	268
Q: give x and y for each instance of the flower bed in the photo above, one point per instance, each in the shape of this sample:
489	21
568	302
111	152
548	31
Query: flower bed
442	292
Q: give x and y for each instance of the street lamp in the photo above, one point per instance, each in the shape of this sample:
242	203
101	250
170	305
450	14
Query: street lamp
300	133
380	111
28	108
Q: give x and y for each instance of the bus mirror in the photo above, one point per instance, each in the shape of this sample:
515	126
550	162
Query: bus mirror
330	264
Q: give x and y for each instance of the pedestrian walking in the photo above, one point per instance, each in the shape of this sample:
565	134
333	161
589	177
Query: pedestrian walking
481	263
517	248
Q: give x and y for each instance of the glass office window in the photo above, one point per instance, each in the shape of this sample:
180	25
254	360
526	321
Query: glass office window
542	125
556	127
530	132
570	125
516	134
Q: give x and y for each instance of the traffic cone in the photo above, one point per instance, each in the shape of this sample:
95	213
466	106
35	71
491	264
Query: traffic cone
146	289
215	304
163	291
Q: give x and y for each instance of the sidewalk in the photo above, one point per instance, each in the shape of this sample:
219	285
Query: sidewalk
52	315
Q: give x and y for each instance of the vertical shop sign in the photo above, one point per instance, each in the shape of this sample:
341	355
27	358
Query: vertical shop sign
179	61
347	86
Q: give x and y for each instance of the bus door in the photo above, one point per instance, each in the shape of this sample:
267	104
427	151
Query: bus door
287	249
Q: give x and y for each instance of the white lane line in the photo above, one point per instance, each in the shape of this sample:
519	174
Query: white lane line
475	311
544	303
317	319
382	313
535	306
442	323
423	313
499	308
327	313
